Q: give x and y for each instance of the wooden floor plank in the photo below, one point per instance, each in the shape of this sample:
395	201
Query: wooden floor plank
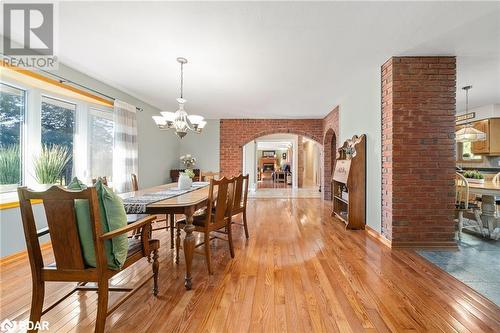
300	271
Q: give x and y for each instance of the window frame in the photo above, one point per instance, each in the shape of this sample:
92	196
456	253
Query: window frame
96	111
75	126
460	159
23	131
32	132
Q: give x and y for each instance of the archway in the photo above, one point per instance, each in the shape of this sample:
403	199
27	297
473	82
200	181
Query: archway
329	152
300	153
235	133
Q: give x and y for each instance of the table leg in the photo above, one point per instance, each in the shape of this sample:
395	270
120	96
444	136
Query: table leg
488	213
189	243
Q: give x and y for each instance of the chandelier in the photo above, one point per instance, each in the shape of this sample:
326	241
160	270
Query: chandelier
179	120
468	133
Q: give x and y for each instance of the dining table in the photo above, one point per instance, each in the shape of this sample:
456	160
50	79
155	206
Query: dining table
488	190
186	204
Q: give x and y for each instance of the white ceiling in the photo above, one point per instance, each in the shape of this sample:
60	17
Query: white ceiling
282	59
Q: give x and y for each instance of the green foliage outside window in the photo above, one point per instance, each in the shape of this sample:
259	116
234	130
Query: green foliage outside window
50	164
11	118
58	124
10	165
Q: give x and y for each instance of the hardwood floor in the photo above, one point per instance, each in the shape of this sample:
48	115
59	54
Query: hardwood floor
300	271
268	183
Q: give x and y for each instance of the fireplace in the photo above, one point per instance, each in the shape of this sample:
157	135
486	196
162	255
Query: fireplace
268	167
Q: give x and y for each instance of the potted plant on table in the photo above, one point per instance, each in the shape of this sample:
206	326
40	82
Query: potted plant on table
50	163
186	177
474	176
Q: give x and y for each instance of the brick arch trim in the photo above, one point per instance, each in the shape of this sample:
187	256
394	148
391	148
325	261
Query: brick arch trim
235	133
329	140
330	132
283	131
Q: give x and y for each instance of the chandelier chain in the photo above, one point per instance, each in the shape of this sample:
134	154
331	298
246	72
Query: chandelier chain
182	79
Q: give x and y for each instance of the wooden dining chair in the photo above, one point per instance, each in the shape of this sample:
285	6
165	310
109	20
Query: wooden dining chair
240	200
463	204
215	218
159	217
69	266
205	176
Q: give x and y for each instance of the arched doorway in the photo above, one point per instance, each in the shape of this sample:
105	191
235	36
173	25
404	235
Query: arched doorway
235	133
298	156
329	152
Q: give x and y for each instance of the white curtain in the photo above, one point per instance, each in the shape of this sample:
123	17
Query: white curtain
125	152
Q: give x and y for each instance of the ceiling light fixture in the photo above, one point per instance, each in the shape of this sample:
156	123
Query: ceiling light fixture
468	133
179	120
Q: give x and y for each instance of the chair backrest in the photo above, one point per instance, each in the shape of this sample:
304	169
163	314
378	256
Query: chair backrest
103	180
241	191
135	184
206	176
59	206
496	179
462	191
220	201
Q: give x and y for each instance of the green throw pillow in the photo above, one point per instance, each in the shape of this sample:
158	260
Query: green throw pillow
112	215
83	224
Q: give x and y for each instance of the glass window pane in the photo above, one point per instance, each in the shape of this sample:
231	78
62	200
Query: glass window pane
58	126
467	154
100	135
12	105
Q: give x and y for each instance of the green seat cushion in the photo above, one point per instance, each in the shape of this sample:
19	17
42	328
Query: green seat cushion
112	216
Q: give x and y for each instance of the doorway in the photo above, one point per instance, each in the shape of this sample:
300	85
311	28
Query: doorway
283	165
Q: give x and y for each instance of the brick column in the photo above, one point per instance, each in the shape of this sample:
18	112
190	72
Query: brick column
418	150
300	162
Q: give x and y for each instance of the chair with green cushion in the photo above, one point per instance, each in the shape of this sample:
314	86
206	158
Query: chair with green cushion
96	206
112	216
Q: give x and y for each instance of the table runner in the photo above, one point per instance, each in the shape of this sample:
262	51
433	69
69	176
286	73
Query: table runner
137	205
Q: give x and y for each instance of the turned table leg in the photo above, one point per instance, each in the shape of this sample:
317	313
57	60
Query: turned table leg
189	243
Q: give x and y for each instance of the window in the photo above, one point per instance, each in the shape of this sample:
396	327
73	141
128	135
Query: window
100	136
464	150
12	108
58	127
36	125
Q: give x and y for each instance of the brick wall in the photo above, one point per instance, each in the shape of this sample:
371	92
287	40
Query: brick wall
418	150
300	161
235	133
330	139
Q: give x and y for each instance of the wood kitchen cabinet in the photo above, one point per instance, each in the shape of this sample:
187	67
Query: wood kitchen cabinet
491	146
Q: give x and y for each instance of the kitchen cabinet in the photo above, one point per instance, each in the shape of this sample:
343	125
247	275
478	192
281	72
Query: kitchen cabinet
491	146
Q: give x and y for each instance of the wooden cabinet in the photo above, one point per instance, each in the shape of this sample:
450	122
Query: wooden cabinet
349	183
491	146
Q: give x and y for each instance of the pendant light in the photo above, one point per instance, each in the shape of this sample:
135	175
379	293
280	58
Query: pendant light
468	133
179	120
